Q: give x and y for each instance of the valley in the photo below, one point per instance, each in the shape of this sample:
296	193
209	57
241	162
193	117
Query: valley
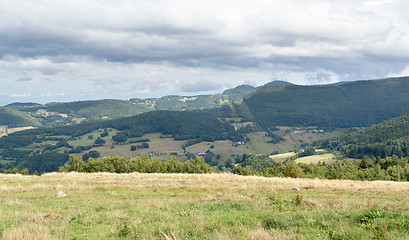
223	134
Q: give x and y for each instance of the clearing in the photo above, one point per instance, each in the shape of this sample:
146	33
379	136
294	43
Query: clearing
326	157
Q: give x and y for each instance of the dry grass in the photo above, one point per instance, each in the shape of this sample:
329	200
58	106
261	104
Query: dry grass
282	157
30	231
3	129
328	157
168	206
84	181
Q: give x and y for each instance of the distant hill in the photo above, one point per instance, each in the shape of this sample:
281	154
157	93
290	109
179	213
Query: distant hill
14	118
384	139
175	102
276	83
98	109
21	104
196	126
65	113
351	104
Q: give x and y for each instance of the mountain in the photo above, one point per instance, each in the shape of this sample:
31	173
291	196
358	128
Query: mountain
14	118
384	139
175	102
20	104
60	113
351	104
276	83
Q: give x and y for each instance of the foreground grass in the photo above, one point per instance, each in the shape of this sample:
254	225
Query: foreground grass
208	206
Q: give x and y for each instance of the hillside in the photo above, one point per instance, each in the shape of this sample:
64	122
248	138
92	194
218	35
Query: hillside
385	139
21	104
14	118
351	104
199	206
45	149
65	113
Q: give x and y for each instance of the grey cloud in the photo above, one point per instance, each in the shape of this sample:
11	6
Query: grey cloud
350	39
319	77
25	79
200	86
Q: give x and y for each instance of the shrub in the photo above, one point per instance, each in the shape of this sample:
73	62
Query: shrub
291	169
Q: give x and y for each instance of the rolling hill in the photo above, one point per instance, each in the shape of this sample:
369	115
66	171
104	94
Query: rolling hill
65	113
350	104
14	118
381	140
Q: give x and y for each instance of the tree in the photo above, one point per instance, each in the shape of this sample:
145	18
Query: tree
99	141
74	164
133	148
291	169
120	137
90	154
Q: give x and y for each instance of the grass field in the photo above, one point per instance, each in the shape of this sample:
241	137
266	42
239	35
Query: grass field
208	206
326	157
282	157
3	130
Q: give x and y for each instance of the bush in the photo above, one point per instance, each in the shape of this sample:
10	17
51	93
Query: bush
291	169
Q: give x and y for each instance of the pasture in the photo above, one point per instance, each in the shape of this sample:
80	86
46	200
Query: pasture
326	157
199	206
283	156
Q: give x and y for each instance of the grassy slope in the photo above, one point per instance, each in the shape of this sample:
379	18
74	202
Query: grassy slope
15	118
216	206
93	110
327	157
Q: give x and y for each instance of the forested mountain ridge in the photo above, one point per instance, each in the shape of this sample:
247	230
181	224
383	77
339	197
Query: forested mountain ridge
350	104
384	139
65	113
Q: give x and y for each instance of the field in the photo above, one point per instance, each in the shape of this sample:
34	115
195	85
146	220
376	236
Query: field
3	130
327	157
208	206
282	157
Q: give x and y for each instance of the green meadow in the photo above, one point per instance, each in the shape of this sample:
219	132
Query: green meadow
199	206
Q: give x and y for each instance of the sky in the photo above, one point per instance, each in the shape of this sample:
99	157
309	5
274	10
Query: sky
58	50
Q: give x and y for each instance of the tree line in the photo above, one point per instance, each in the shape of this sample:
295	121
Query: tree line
141	164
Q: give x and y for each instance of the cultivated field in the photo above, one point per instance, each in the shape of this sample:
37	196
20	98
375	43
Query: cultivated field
191	206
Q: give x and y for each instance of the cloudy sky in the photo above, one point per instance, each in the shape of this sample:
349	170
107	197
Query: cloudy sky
58	50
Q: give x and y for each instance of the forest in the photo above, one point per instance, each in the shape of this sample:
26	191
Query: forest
350	104
384	139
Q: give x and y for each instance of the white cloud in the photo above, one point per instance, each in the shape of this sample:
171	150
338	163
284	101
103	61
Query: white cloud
16	95
149	48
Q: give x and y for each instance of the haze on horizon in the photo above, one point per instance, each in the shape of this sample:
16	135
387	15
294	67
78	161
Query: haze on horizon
96	49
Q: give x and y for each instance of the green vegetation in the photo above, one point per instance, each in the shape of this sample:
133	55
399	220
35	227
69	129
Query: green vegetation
327	157
14	118
199	206
142	164
385	139
351	104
